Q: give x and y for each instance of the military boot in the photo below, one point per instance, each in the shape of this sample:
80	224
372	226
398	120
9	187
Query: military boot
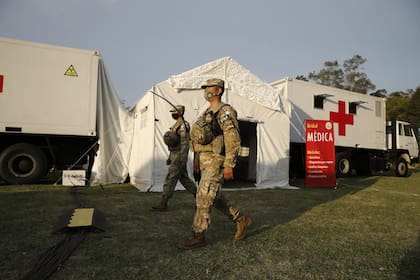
242	223
163	205
196	241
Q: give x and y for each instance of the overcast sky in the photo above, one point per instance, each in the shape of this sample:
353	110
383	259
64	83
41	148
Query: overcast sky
144	42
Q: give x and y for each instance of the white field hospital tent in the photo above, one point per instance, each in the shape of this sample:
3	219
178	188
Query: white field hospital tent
263	115
115	129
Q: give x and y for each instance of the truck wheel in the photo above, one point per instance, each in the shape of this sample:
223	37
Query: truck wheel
22	164
401	168
342	165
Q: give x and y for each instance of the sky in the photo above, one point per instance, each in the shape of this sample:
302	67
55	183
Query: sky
145	42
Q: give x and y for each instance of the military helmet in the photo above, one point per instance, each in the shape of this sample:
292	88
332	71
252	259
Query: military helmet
171	139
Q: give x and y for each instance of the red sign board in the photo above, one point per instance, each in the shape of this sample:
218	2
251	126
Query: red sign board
1	83
320	154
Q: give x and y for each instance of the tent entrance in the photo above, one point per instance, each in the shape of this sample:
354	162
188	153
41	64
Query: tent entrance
246	164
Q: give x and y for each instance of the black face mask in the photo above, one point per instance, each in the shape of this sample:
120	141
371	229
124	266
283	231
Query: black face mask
175	116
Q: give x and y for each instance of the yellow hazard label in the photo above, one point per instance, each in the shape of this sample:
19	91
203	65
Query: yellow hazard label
71	71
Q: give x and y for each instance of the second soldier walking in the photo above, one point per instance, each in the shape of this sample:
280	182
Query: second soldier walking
177	140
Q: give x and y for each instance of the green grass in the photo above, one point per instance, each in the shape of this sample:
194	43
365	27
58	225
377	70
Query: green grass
368	228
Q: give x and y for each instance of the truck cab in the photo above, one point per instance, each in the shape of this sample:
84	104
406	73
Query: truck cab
405	139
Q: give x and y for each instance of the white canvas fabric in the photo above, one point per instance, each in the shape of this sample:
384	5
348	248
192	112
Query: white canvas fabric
114	130
237	78
254	100
131	141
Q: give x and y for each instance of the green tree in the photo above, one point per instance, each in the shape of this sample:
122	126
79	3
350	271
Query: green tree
302	78
349	77
413	109
380	93
354	79
332	75
397	105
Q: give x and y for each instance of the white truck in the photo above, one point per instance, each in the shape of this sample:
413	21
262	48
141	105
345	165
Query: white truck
364	141
48	97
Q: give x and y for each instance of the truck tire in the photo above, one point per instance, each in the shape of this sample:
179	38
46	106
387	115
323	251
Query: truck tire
342	165
401	168
22	164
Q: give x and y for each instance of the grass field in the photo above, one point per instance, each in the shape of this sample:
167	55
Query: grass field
367	228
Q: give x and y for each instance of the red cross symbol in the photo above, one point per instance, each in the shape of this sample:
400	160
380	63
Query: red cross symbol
341	118
1	83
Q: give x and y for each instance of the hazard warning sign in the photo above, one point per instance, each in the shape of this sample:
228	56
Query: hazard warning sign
71	71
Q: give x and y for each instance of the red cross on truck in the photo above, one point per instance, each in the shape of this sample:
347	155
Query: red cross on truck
1	83
365	142
341	118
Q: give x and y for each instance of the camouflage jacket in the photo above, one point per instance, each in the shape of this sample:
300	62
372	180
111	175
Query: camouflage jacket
229	141
182	128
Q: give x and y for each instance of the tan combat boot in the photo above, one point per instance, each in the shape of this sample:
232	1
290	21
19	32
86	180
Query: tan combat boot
196	241
242	223
163	205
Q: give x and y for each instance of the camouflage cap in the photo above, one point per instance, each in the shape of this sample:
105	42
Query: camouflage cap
214	82
178	108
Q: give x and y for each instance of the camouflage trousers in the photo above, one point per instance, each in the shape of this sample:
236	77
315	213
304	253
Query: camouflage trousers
210	192
177	172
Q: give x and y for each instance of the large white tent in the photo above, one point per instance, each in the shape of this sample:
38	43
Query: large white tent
115	127
263	114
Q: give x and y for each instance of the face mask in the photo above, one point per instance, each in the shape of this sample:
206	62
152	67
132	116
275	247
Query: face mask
175	116
208	95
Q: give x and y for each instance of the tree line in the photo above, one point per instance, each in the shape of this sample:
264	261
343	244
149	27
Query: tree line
402	105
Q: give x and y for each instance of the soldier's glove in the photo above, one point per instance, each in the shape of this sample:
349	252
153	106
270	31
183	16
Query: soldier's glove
168	161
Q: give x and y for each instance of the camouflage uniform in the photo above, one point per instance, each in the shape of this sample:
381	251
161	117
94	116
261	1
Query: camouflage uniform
177	160
176	171
215	139
221	152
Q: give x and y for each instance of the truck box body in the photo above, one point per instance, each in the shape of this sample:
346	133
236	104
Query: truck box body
47	89
48	109
364	143
364	128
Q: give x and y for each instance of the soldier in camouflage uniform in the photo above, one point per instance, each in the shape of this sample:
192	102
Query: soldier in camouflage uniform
177	140
216	140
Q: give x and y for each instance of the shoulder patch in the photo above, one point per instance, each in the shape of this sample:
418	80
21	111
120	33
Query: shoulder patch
225	116
226	113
